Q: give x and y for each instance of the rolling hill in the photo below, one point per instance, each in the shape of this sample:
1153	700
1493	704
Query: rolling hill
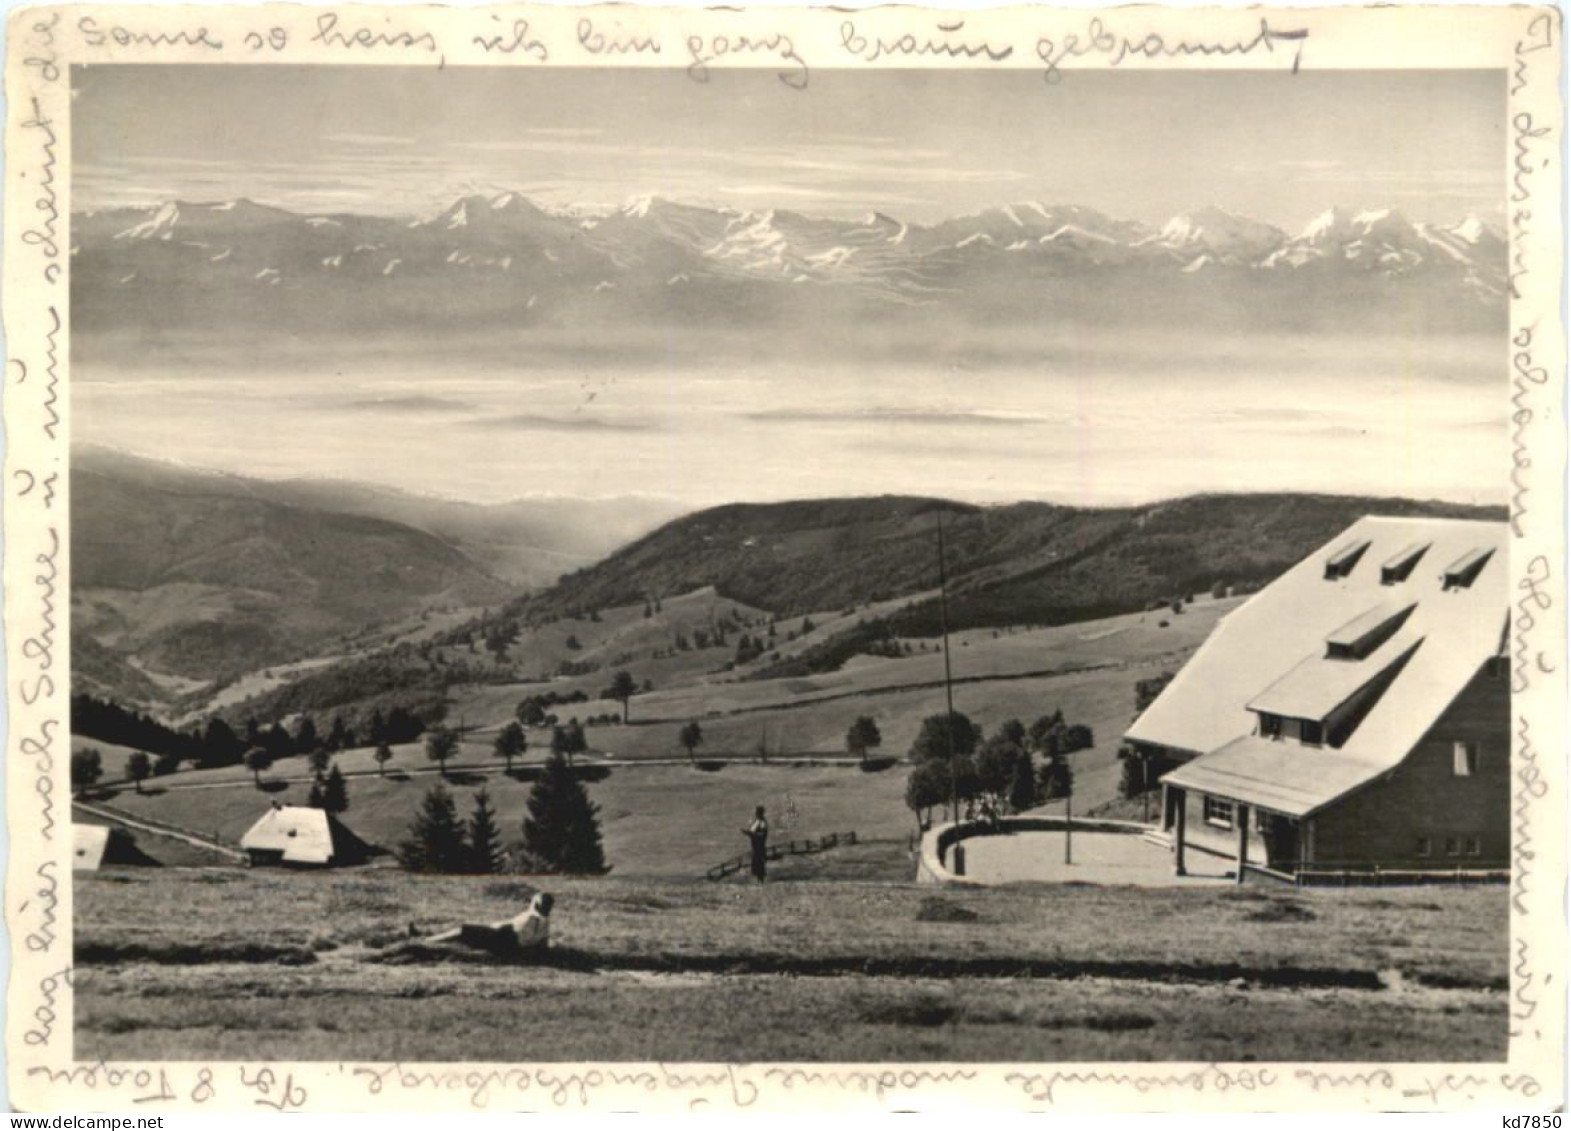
196	576
1027	563
184	580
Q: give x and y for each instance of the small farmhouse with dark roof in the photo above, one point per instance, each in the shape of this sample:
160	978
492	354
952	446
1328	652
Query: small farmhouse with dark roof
1354	715
297	836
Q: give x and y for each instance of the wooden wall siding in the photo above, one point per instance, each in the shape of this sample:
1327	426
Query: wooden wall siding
1198	834
1381	823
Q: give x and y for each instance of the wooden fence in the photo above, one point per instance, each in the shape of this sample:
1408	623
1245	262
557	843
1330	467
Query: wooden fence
780	852
1354	878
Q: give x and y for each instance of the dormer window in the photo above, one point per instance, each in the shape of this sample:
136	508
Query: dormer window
1367	631
1321	702
1310	732
1341	563
1397	567
1465	570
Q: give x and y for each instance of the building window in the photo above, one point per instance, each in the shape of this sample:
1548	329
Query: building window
1472	847
1312	732
1464	759
1271	726
1423	846
1218	812
1453	846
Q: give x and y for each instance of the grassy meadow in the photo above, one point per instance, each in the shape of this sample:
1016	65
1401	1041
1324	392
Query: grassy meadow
842	957
319	966
680	819
656	820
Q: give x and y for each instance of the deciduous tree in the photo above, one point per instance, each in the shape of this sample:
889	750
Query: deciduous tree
139	766
691	737
258	759
939	734
441	743
87	766
862	737
511	741
623	688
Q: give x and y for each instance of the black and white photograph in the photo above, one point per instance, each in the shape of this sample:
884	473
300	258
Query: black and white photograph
791	564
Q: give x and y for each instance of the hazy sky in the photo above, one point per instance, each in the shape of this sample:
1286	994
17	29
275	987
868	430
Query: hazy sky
918	145
1100	416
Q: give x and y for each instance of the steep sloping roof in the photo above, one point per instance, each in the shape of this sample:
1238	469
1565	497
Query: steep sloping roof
1281	776
1277	640
1316	686
88	845
303	835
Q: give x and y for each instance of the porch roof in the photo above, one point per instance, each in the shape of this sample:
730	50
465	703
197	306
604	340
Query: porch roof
1284	777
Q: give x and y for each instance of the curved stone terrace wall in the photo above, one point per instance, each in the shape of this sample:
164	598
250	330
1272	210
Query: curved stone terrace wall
931	866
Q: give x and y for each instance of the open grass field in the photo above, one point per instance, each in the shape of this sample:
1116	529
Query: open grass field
656	820
231	963
977	656
678	820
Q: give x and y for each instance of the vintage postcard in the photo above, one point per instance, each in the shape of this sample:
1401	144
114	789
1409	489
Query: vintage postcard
648	558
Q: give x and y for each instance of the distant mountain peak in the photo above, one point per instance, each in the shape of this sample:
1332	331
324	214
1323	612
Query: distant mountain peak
159	225
1331	224
500	251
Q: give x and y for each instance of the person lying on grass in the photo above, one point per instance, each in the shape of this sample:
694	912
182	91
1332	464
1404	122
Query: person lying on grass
524	933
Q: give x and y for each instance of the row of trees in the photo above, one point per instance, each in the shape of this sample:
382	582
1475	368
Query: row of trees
329	790
561	831
992	775
217	744
862	738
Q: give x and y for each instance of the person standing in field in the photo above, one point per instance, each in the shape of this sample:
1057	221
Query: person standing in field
757	835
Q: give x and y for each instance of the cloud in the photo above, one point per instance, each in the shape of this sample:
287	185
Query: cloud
843	197
532	422
936	417
413	404
368	139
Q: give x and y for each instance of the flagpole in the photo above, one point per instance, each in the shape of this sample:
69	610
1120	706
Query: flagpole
949	691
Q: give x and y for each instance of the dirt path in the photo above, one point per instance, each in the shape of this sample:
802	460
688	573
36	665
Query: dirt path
849	760
156	829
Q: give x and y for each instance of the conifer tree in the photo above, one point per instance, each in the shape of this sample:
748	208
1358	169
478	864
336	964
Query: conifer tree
486	856
436	840
335	792
1022	791
562	830
306	739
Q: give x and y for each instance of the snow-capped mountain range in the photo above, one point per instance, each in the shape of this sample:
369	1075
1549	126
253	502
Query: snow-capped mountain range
530	260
